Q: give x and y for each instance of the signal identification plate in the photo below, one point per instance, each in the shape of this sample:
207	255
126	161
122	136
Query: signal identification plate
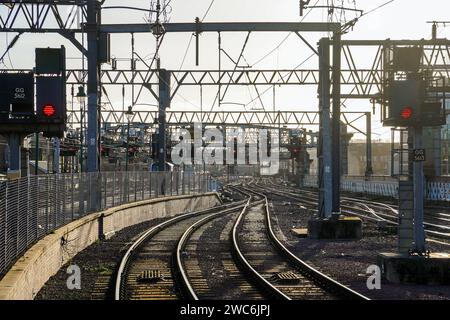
419	155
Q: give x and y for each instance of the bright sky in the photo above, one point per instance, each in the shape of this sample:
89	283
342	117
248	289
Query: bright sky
402	19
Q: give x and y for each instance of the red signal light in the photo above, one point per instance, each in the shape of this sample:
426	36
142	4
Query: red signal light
49	110
407	113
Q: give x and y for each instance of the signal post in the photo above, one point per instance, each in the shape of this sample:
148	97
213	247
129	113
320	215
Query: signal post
331	223
413	101
21	114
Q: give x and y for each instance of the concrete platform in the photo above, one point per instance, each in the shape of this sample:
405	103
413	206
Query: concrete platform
401	268
349	228
300	233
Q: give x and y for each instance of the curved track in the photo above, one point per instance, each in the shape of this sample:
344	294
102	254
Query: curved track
266	257
152	253
206	265
369	210
227	252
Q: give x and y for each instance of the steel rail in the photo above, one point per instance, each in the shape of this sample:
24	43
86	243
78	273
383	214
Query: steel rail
386	216
318	277
378	216
180	268
126	259
265	284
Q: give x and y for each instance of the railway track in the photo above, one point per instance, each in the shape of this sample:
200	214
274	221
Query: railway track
146	270
389	208
273	265
228	252
206	265
369	210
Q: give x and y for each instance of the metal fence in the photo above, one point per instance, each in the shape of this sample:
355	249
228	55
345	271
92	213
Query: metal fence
438	190
33	207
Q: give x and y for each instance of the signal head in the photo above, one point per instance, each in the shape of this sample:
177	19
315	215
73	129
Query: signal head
49	110
407	113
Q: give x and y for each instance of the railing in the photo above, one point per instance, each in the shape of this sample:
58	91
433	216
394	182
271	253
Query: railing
436	190
379	188
32	207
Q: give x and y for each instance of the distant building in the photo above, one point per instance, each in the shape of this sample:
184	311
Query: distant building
381	158
437	147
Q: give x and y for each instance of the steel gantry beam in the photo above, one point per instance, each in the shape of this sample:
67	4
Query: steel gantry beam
217	118
357	81
361	84
226	27
41	16
205	77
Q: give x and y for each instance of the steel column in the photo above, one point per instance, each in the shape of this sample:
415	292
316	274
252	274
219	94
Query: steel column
15	146
406	197
419	188
164	104
336	126
93	81
324	150
369	168
127	154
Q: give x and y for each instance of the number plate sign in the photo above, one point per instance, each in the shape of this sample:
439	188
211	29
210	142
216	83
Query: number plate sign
419	155
17	89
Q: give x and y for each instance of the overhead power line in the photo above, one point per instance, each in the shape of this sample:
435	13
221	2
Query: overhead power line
284	39
207	11
352	23
376	8
192	36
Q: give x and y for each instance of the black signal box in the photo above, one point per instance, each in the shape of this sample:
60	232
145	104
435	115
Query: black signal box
50	92
16	94
51	106
408	106
405	99
432	114
17	103
50	61
407	59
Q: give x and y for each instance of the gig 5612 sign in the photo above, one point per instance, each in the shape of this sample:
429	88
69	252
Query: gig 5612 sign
16	95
